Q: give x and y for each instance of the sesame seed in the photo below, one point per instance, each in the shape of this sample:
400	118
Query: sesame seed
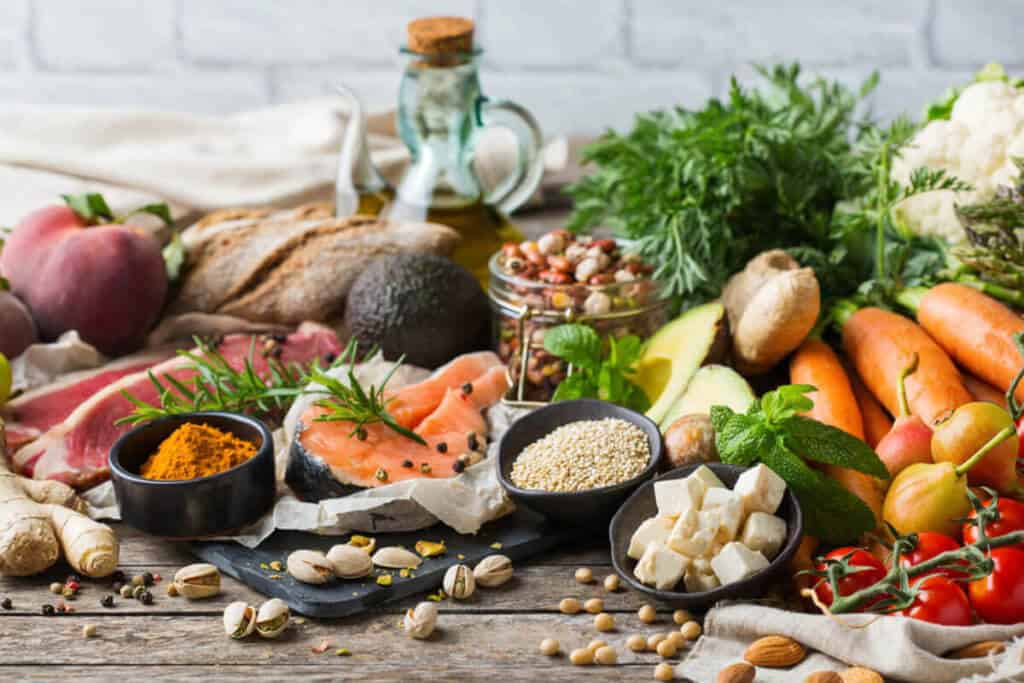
583	455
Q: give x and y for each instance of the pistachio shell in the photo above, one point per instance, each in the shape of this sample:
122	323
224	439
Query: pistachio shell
197	581
459	582
395	557
492	571
310	566
419	622
272	618
239	620
349	561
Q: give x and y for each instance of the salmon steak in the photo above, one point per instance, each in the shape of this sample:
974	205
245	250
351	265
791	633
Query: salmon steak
327	460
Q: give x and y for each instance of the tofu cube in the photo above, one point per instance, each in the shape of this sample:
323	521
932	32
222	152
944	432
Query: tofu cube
764	533
676	496
655	529
761	490
702	565
736	562
661	567
715	498
728	506
698	581
709	478
695	545
683	530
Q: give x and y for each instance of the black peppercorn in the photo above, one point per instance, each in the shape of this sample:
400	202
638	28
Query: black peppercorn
107	601
48	610
146	598
459	465
472	441
7	604
73	578
147	578
442	447
118	576
407	463
467	388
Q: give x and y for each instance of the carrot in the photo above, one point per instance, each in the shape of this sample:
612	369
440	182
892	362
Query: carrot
973	328
881	343
877	422
983	391
815	363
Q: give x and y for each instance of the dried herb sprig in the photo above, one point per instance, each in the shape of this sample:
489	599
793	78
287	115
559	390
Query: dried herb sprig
893	592
351	402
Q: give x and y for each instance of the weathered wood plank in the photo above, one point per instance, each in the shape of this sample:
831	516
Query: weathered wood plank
482	643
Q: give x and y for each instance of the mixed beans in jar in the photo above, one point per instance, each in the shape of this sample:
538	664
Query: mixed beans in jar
559	278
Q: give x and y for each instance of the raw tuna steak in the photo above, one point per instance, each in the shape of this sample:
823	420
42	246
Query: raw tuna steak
445	409
33	413
75	451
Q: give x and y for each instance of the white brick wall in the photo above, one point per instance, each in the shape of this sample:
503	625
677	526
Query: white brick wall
581	65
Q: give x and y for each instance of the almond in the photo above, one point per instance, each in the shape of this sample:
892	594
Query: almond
740	672
859	674
775	652
823	677
982	649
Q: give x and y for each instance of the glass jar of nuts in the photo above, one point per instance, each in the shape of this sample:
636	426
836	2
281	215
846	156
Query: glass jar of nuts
561	278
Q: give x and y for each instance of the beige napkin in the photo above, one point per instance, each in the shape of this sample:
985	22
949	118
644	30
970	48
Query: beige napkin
278	156
900	649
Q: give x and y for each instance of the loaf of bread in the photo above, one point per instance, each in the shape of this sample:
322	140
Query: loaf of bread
285	267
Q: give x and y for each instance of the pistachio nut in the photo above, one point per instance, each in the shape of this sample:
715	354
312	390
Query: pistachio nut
197	581
310	566
239	620
349	562
396	557
272	618
492	571
367	543
459	582
419	622
430	548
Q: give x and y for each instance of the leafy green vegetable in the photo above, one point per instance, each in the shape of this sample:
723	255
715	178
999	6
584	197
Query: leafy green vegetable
596	374
701	191
773	432
92	207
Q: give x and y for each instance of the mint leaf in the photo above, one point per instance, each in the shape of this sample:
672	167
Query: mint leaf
160	210
92	207
625	351
635	398
823	443
786	401
739	438
574	386
831	513
577	344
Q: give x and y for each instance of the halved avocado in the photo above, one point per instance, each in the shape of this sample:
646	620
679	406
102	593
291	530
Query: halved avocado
711	385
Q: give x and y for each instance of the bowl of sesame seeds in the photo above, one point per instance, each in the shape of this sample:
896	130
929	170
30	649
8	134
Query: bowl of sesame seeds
577	461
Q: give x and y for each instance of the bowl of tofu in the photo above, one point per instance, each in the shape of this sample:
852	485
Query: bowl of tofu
704	533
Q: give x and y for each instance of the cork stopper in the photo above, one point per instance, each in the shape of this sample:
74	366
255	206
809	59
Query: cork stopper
440	36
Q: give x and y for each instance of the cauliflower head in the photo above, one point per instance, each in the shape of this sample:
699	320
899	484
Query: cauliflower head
985	129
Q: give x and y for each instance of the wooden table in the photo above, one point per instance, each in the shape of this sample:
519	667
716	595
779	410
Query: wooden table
492	637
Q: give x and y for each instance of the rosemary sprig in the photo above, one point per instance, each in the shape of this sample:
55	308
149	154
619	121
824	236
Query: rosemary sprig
352	403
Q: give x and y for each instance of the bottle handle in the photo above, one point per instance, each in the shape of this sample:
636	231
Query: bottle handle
513	191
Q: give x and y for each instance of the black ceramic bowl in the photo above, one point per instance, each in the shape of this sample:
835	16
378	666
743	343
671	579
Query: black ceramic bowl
583	508
641	505
194	508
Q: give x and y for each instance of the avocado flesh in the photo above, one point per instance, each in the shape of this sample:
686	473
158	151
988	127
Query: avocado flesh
711	385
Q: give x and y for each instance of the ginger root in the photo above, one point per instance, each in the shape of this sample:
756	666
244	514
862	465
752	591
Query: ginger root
39	519
772	305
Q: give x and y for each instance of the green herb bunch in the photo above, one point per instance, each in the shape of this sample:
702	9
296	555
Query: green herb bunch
773	432
597	372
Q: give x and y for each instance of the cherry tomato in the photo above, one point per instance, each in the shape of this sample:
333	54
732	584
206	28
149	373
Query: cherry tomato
999	597
940	601
930	544
1011	518
1020	437
872	572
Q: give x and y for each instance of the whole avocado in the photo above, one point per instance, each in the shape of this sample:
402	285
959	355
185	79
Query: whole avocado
422	306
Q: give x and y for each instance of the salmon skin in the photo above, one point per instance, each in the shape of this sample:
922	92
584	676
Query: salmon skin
446	410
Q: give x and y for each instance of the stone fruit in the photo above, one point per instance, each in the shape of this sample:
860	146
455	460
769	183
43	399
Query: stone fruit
969	428
78	269
17	329
909	441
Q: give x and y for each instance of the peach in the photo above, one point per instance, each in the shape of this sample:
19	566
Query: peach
104	279
17	329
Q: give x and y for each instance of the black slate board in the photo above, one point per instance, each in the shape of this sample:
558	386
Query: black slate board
520	534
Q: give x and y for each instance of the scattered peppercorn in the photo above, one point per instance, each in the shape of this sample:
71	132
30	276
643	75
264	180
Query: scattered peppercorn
442	447
126	591
68	593
7	604
72	585
147	579
73	578
89	631
459	465
146	598
48	610
472	441
138	591
118	576
407	463
116	586
381	474
107	601
157	578
467	388
137	580
425	467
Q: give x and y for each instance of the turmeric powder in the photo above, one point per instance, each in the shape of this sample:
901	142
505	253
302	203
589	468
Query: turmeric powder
196	450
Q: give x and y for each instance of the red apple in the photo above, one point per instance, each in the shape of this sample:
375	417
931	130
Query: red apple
77	272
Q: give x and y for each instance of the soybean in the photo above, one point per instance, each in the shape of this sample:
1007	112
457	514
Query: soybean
606	656
584	575
690	630
594	605
604	622
549	647
647	614
636	643
581	657
569	606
